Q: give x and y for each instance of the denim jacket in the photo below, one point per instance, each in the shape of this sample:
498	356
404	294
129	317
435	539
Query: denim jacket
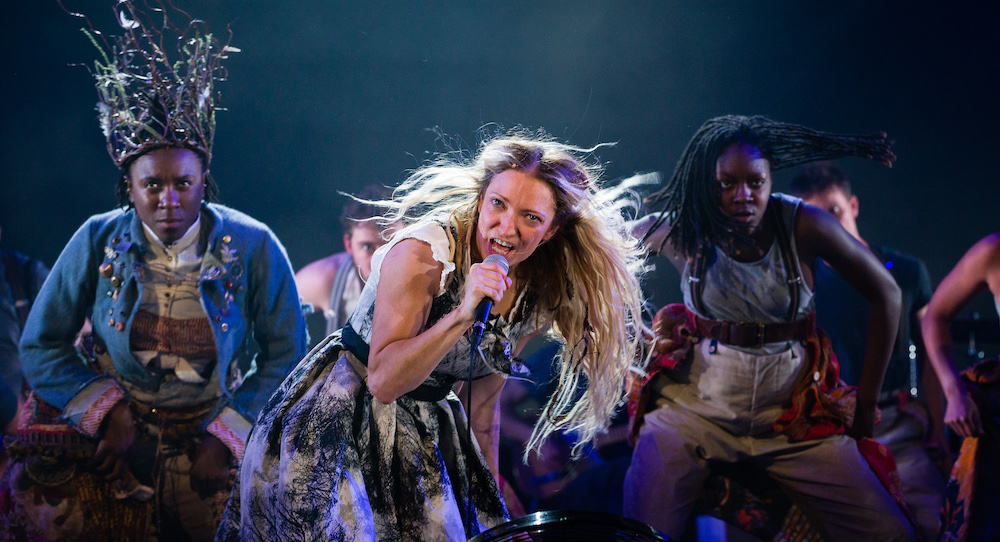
247	290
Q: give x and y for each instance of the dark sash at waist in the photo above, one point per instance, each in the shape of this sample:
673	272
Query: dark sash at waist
353	342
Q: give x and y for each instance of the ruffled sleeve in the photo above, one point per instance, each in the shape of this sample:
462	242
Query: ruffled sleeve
431	233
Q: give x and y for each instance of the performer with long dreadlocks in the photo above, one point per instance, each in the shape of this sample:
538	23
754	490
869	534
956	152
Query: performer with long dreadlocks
195	313
741	375
366	440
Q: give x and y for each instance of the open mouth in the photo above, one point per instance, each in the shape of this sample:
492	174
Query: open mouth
500	247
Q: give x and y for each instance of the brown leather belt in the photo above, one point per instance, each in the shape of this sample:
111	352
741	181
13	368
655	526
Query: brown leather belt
751	334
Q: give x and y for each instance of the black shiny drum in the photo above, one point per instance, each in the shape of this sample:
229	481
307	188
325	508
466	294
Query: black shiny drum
560	525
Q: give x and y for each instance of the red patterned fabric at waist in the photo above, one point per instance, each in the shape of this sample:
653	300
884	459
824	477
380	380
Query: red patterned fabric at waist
40	428
820	405
191	338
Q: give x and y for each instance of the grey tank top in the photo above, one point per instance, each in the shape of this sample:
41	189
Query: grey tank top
753	291
338	313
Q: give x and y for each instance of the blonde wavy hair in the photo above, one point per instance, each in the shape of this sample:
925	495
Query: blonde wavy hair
586	275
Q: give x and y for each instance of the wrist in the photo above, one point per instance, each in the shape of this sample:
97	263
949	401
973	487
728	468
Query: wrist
461	319
866	403
955	391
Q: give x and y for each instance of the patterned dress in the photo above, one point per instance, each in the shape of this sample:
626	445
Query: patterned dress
327	461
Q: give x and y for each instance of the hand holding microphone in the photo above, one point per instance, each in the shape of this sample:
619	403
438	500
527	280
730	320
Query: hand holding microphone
483	311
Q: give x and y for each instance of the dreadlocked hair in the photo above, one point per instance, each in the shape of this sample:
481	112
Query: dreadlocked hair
690	199
586	275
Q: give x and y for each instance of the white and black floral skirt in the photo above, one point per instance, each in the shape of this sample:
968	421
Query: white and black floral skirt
327	461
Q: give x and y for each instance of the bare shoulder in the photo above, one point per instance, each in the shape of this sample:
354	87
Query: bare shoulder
322	267
642	225
813	229
652	229
321	271
983	259
987	248
978	268
315	280
808	218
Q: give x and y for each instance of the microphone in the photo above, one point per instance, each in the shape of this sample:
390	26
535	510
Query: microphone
483	311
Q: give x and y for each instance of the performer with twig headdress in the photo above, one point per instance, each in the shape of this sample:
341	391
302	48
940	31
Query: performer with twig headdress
741	375
195	314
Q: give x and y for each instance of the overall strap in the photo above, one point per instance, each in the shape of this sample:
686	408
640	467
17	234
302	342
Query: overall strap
785	244
696	282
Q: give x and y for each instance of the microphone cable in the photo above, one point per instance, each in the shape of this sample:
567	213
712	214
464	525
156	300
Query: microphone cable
473	523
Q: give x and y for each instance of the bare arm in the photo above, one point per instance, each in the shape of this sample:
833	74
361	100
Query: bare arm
820	235
315	281
971	275
485	418
401	356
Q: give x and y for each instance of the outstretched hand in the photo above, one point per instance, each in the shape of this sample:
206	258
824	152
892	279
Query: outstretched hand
117	442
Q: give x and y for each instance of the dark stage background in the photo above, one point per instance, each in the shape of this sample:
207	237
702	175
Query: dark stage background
330	96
